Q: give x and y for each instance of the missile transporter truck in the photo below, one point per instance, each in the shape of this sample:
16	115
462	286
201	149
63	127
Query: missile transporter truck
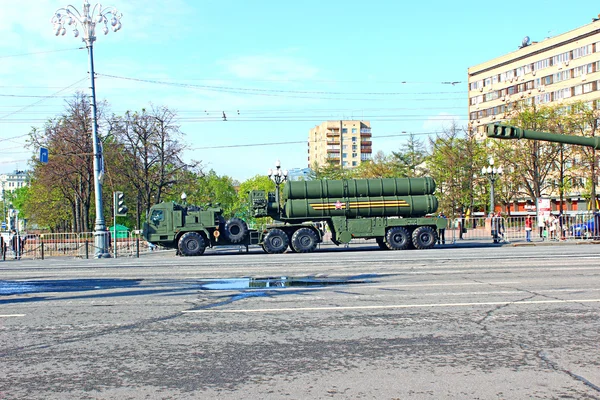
392	211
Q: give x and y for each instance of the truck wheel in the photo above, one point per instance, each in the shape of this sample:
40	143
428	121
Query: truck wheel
424	237
191	244
304	240
275	241
236	230
397	238
381	243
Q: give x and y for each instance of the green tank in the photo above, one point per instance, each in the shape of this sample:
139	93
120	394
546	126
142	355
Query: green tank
353	207
498	131
318	189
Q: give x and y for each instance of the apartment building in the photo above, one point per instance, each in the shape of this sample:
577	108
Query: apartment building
557	69
552	71
346	143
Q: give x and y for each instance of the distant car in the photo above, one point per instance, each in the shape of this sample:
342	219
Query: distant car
583	230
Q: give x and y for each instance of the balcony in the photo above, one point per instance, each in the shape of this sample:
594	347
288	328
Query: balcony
365	130
366	143
366	149
333	134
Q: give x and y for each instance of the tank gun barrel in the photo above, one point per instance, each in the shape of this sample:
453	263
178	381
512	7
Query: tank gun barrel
498	131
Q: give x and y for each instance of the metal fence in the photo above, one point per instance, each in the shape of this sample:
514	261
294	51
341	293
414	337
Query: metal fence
567	227
79	245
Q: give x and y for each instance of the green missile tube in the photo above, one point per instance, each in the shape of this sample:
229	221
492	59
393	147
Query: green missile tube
324	188
351	207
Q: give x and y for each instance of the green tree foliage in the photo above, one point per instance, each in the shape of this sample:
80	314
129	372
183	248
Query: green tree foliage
212	189
381	166
411	157
535	159
70	166
148	150
455	163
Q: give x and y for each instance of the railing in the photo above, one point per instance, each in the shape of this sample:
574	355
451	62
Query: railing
79	245
570	227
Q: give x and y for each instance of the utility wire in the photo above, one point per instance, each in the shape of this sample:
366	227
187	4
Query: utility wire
272	92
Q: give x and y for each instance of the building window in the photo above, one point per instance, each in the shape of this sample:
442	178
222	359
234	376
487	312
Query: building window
582	51
588	87
353	139
344	163
344	155
577	90
344	130
354	155
354	163
353	130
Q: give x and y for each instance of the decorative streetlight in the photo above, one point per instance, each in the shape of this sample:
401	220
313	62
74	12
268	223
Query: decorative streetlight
492	174
278	177
183	197
87	21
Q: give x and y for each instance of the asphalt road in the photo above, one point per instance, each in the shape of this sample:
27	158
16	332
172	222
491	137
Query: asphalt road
468	323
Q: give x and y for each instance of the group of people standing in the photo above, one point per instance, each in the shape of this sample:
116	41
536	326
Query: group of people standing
16	243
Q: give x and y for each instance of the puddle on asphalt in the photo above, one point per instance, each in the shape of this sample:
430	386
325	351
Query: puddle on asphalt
280	282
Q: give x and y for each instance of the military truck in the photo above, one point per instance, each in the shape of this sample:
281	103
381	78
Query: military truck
392	211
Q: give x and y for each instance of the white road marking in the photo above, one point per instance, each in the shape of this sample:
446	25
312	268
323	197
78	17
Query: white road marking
11	315
395	306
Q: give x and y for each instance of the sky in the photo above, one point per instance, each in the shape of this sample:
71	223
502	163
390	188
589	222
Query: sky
275	69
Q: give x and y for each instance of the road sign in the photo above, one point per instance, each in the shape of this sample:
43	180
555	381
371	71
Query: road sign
44	155
3	225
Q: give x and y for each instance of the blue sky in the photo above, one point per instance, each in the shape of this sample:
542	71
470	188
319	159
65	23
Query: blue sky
275	68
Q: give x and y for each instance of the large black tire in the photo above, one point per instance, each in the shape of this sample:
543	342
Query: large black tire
304	240
275	241
381	243
236	230
424	237
397	238
290	247
191	244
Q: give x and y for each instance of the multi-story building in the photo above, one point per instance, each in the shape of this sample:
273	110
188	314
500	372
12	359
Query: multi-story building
557	69
346	143
12	181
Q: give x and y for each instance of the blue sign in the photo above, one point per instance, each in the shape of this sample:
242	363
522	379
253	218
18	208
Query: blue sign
3	225
43	155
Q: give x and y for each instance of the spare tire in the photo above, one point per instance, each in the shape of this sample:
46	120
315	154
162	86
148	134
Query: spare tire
236	230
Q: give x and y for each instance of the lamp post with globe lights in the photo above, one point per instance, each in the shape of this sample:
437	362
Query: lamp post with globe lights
86	20
492	174
278	177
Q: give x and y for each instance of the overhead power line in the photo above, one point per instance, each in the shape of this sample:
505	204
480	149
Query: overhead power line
276	92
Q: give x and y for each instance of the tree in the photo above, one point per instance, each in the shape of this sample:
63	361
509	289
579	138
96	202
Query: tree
149	146
381	166
456	158
535	159
70	167
411	157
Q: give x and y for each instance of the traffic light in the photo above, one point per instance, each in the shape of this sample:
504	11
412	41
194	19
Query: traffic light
120	207
498	131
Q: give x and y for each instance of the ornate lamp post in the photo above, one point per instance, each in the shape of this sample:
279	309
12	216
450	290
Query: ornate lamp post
278	177
87	21
492	174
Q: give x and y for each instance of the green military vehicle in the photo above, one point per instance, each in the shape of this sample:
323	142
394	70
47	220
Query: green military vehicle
392	211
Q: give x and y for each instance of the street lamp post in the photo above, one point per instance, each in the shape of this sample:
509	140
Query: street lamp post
87	21
278	177
492	174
